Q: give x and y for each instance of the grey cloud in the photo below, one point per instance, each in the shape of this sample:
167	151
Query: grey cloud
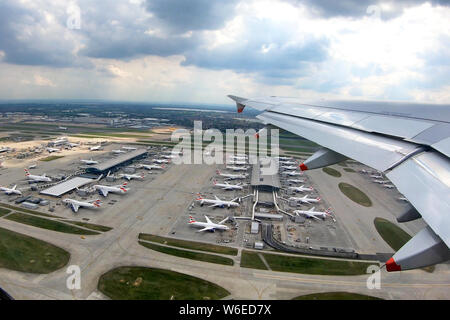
183	16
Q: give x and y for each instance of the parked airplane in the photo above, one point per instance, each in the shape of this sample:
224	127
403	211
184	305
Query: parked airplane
305	199
209	225
131	176
389	186
287	162
381	181
284	158
165	156
33	166
37	178
313	214
129	148
62	128
293	173
403	199
376	176
227	186
71	144
118	151
75	204
217	202
238	162
50	150
96	148
151	166
104	190
237	168
289	167
12	190
301	189
241	158
161	161
90	161
231	176
296	180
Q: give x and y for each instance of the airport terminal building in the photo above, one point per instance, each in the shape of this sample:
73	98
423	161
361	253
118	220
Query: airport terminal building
114	163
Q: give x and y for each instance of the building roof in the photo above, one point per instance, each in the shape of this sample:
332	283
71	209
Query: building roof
263	215
66	186
108	164
260	180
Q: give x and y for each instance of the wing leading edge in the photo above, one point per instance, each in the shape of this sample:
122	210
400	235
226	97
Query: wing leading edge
410	147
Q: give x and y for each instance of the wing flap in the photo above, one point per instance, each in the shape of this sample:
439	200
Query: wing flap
425	181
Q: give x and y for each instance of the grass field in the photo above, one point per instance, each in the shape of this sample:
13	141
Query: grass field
189	244
349	170
315	265
336	296
355	194
51	158
188	254
4	211
332	172
26	210
47	224
140	283
26	254
394	236
95	227
251	260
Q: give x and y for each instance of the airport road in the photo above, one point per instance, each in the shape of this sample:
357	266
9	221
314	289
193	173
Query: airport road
152	207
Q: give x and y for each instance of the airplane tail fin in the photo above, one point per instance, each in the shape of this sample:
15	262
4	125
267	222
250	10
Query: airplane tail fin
214	181
191	219
97	203
199	196
27	173
318	198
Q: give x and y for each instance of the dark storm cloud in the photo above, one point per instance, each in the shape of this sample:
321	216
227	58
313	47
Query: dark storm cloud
359	8
23	42
183	16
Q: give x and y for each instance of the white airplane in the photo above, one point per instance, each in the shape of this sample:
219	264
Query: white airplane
376	176
293	173
209	225
12	190
71	144
389	186
90	161
33	166
287	162
62	128
232	176
37	178
151	166
305	199
129	148
217	202
237	168
96	148
165	156
414	156
75	204
118	151
227	186
50	150
284	158
289	167
131	176
104	190
296	180
161	161
238	162
241	158
381	181
313	214
301	189
403	199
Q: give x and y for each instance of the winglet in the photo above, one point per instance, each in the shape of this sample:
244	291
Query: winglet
239	105
391	265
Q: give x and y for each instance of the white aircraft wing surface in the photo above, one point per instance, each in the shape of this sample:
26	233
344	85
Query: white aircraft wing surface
408	142
103	192
74	207
205	229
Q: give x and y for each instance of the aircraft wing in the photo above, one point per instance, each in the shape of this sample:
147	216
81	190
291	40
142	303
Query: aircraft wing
205	229
208	220
74	207
103	192
409	143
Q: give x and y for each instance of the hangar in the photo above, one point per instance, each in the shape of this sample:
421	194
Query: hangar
113	163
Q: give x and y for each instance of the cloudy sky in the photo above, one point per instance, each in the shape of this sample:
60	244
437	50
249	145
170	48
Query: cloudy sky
202	50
